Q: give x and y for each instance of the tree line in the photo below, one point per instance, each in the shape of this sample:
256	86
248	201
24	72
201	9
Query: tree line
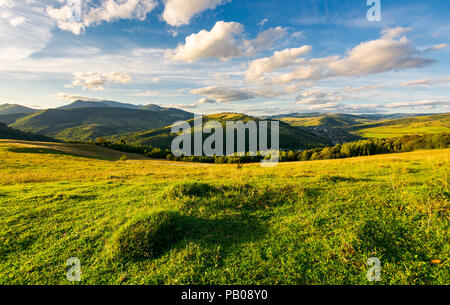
347	150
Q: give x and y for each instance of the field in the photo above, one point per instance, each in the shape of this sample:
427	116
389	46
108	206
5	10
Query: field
314	222
407	126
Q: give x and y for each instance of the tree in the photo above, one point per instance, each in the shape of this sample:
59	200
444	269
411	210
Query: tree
101	141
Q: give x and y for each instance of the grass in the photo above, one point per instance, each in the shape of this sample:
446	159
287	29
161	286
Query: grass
408	126
298	223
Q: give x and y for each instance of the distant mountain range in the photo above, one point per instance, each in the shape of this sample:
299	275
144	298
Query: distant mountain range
14	109
83	124
150	124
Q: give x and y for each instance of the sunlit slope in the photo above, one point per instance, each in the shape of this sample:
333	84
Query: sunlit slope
298	223
407	126
290	137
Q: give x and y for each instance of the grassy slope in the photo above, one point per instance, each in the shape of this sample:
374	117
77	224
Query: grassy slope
85	123
290	137
297	223
406	126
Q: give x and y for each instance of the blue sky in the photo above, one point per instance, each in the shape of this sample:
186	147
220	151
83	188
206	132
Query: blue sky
253	56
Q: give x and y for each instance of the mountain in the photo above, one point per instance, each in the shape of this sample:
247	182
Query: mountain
11	118
152	107
98	104
88	123
290	137
6	109
11	133
338	127
418	125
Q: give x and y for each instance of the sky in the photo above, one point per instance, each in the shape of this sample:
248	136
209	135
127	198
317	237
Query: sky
260	57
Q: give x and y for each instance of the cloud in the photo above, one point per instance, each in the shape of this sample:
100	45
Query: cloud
180	12
71	97
220	42
264	40
70	17
224	94
363	88
16	21
424	104
376	108
263	22
416	82
146	93
182	106
423	82
372	57
19	42
279	59
96	81
394	32
318	97
438	47
224	41
205	100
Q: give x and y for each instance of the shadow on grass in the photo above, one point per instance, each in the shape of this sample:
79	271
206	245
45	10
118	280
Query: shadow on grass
393	239
331	178
50	151
151	236
35	150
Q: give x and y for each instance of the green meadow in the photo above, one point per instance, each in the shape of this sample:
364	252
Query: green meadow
140	221
438	123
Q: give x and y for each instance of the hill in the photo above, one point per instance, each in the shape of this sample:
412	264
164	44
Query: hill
11	133
14	109
437	123
71	149
11	118
88	123
290	137
314	222
340	128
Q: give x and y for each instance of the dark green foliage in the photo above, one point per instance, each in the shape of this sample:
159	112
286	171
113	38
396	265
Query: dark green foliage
346	150
11	133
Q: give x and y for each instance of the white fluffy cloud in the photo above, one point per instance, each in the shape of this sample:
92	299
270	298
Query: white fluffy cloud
70	17
381	55
96	81
280	59
225	40
219	42
180	12
17	21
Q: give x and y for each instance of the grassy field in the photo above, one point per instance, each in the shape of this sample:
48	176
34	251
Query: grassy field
407	126
298	223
